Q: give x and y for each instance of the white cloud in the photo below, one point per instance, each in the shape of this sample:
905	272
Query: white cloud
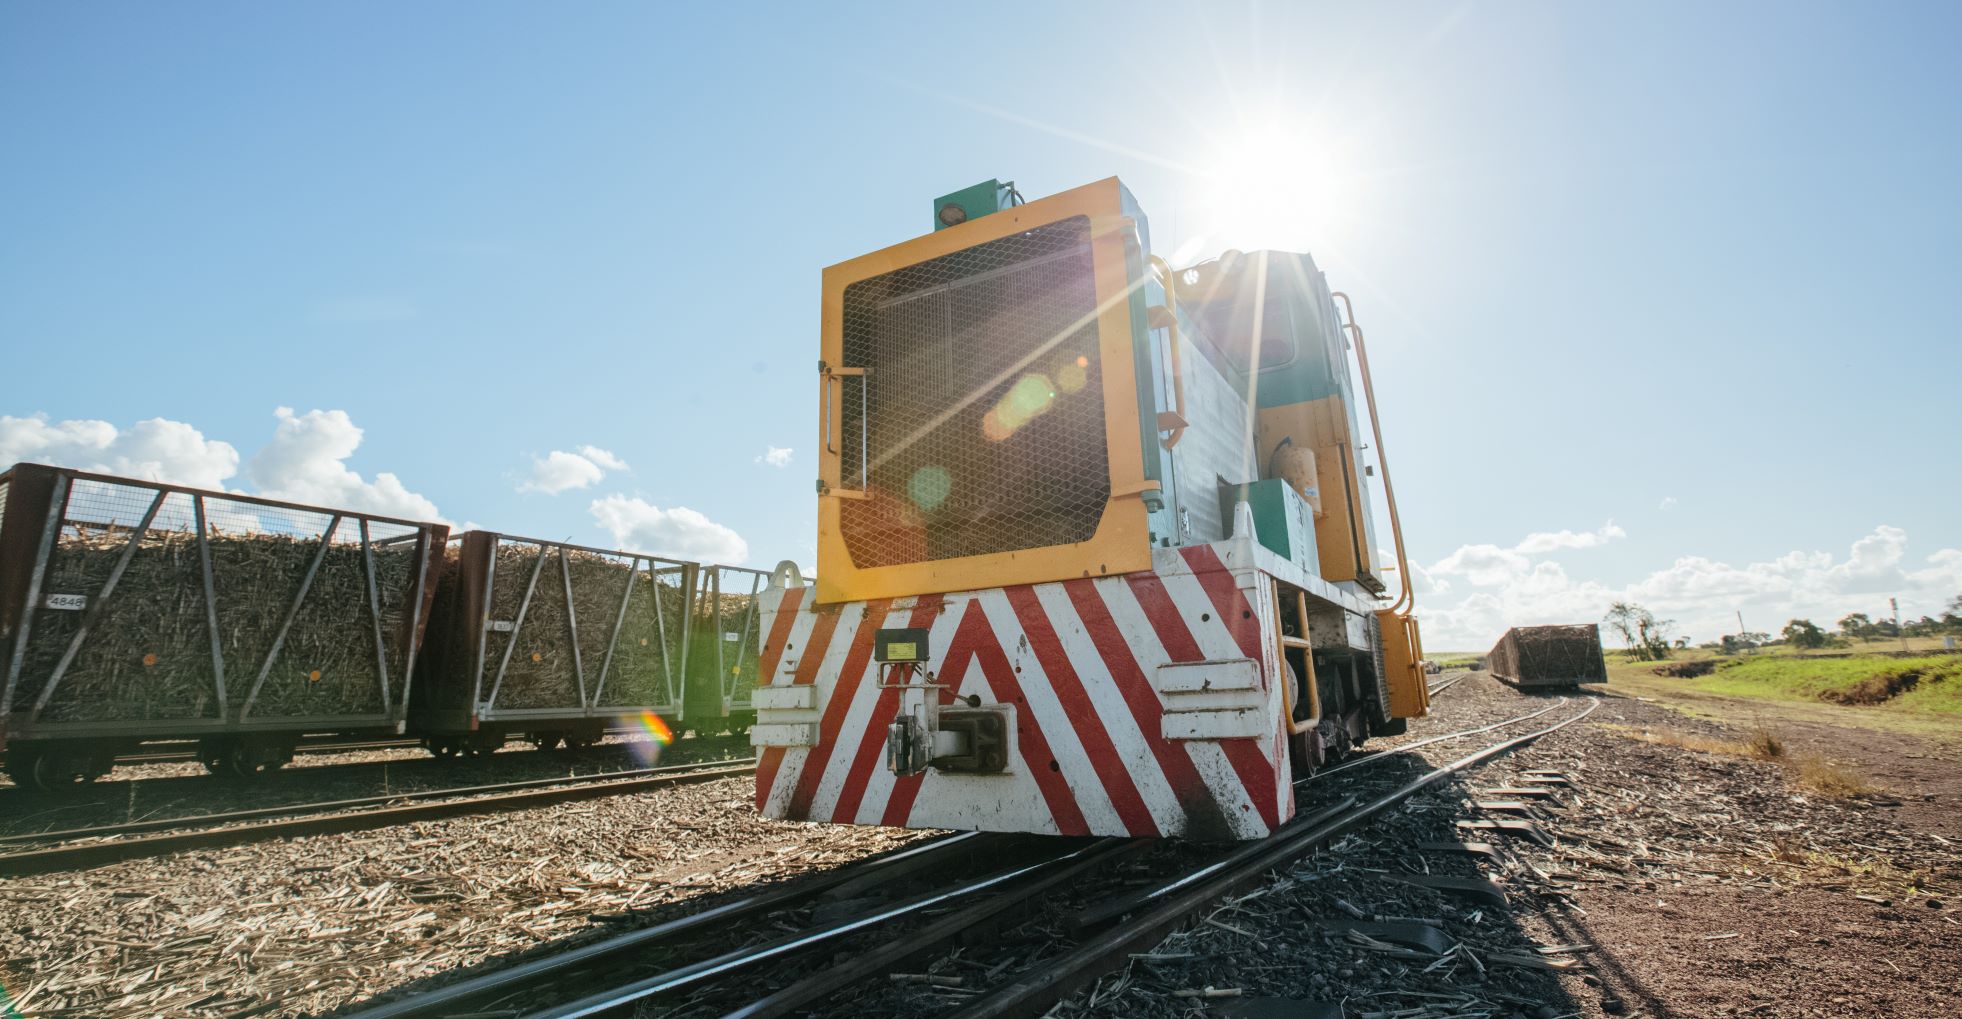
775	456
304	462
1490	565
1702	595
604	458
1547	541
1668	503
680	532
560	471
154	450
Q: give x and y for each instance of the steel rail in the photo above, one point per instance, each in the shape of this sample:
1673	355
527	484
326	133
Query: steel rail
1040	987
172	756
1446	684
90	854
469	992
695	973
1362	760
1111	909
326	746
914	944
323	806
943	932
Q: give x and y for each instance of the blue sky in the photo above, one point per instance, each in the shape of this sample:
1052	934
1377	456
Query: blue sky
1688	269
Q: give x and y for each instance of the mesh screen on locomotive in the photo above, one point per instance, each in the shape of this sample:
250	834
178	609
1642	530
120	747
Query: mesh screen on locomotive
979	424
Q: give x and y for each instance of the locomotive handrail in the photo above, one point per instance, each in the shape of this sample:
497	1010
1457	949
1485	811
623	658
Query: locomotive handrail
1407	599
829	409
1172	421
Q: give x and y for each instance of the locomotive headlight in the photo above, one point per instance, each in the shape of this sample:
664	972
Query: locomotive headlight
952	214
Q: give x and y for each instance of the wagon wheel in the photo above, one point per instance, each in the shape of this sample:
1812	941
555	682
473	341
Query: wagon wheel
581	741
53	775
42	772
546	740
444	749
242	761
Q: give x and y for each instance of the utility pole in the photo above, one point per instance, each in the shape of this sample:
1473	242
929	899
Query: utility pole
1895	604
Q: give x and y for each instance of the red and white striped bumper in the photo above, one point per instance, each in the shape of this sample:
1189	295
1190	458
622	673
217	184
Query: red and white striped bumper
1141	705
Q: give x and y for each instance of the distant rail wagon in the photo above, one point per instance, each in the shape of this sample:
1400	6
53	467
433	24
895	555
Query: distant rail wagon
722	650
551	641
133	610
1549	656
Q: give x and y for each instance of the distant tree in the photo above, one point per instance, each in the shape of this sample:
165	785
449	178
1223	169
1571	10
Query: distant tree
1646	636
1856	624
1926	626
1682	642
1953	617
1803	633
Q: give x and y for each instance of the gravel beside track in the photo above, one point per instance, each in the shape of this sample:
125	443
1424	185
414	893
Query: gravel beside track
311	924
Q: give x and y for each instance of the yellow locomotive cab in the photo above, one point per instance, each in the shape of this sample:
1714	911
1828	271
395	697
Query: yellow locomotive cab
920	489
1095	545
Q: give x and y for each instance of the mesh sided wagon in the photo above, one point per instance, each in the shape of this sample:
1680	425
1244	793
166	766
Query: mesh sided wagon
133	610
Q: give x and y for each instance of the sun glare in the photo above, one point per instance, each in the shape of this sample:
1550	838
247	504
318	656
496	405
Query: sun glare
1283	187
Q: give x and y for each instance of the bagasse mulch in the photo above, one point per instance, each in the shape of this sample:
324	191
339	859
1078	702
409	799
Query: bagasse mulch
312	924
148	656
541	672
1683	884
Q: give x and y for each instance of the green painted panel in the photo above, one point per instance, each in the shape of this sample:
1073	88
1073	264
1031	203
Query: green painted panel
977	201
1283	521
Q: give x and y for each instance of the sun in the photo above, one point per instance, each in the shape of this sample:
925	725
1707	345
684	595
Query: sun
1283	186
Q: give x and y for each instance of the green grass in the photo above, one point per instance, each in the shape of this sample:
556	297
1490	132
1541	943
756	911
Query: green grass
1795	678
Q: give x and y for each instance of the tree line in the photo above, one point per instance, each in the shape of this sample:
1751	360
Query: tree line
1648	639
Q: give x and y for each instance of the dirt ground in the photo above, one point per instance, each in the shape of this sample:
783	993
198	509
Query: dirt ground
1679	883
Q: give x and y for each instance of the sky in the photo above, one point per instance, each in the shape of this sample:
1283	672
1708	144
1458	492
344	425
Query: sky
1660	297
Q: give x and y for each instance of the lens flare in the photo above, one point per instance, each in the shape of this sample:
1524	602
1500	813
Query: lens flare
1031	396
656	729
929	486
658	734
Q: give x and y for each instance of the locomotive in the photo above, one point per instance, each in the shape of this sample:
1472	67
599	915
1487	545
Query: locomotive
1095	549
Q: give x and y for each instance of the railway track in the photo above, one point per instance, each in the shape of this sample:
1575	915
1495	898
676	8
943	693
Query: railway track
1445	684
65	850
163	755
993	878
171	753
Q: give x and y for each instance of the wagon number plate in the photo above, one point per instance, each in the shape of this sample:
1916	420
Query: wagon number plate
501	626
67	602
